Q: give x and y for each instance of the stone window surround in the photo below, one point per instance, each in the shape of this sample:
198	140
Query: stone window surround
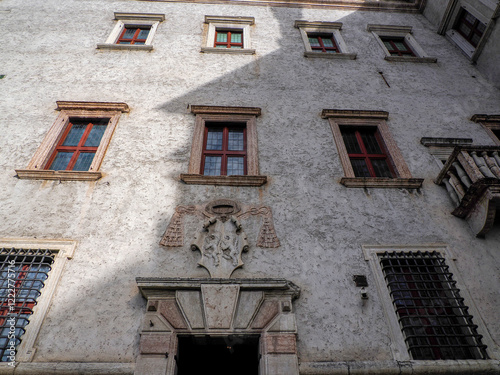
245	115
238	23
63	250
132	20
489	123
333	28
340	117
35	169
400	32
398	346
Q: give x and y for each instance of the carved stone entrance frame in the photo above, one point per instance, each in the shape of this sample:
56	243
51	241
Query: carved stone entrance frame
218	307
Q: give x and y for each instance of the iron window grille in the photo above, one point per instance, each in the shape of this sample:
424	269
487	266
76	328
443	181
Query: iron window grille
224	150
78	145
470	27
23	272
133	35
432	314
397	46
228	38
322	43
366	152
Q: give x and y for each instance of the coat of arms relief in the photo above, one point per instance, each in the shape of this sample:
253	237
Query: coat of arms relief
221	240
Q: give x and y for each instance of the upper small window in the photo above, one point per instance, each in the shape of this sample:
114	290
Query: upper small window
133	31
75	145
224	150
398	44
368	153
228	35
323	39
470	27
491	123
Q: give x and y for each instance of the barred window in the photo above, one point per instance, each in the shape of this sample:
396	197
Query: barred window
432	315
23	272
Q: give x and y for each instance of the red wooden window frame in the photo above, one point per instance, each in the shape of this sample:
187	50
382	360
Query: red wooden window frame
322	46
224	153
475	27
364	155
395	50
228	43
79	148
134	39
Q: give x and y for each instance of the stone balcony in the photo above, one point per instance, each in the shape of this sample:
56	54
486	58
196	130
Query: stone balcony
471	176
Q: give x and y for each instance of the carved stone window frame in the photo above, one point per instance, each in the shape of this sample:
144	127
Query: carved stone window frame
63	250
377	119
400	32
398	346
489	123
222	22
123	20
333	28
36	167
206	114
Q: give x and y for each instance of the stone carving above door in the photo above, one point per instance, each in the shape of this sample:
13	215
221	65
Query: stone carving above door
222	210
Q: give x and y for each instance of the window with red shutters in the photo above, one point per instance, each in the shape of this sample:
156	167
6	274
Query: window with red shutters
224	150
133	35
366	152
470	27
397	46
228	38
322	43
78	145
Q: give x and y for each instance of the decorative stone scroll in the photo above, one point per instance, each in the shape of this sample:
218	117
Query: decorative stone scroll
222	210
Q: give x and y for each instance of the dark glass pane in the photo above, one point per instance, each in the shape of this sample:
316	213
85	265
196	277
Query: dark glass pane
235	37
350	141
381	168
139	43
331	51
314	41
94	138
143	34
235	166
370	142
75	134
124	43
61	161
83	162
129	33
401	46
214	139
236	140
328	42
359	167
481	27
470	18
464	28
388	45
221	37
474	40
212	166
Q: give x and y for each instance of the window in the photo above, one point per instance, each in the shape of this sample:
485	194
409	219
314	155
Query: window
75	145
435	322
490	123
227	35
133	31
470	27
399	44
29	273
323	39
224	150
368	154
430	314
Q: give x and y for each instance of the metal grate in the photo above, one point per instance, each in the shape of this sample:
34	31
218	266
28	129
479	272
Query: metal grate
432	315
22	272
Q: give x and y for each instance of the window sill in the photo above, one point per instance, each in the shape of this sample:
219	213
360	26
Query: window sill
412	59
33	174
125	47
237	51
198	179
382	182
346	56
457	39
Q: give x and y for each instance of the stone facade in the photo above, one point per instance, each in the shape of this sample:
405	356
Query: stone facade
132	284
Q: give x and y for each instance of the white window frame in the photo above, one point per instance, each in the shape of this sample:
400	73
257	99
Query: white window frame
400	32
152	20
220	22
63	250
398	346
333	28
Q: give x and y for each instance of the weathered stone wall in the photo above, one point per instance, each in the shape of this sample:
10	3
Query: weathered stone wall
49	53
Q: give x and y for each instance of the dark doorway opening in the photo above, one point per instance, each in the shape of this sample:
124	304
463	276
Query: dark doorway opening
221	355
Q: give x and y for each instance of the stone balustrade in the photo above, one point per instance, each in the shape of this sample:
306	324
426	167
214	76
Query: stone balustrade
471	176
